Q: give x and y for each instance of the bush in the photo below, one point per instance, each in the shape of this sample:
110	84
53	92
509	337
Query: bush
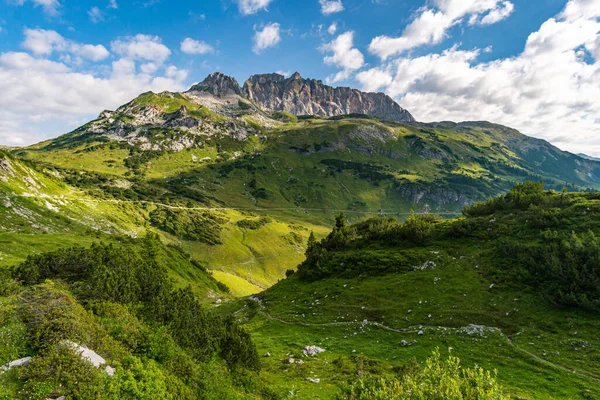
254	224
418	228
437	380
565	267
201	226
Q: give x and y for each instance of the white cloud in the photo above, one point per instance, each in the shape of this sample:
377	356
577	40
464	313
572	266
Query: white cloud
44	42
90	52
248	7
141	47
96	15
50	7
284	73
331	6
43	98
332	29
550	90
175	73
191	46
501	11
269	36
149	68
113	4
374	79
344	56
431	24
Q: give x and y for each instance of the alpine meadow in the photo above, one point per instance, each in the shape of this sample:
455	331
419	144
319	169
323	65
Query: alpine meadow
283	237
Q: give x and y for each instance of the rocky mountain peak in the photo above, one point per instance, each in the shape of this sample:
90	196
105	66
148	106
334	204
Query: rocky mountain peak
299	96
218	84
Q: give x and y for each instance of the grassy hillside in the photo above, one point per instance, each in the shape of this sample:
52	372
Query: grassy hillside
511	286
41	211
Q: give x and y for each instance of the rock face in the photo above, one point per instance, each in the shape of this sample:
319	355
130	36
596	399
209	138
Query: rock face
219	85
298	96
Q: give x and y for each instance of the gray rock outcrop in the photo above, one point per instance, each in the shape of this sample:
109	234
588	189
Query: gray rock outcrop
298	96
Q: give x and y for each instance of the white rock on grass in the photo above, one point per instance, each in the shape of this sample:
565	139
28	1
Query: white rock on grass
312	351
16	363
89	355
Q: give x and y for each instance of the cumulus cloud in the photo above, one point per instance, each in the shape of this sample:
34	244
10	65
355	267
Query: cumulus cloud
43	42
50	7
248	7
269	36
96	15
331	6
430	25
550	90
191	46
141	47
44	98
342	54
113	4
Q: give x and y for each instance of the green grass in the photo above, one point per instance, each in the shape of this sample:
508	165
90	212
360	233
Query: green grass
540	350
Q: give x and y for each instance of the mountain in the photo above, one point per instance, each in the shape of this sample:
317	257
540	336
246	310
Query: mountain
298	96
138	236
588	157
240	187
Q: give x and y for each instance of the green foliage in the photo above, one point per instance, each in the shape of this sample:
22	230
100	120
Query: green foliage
341	253
144	380
244	105
418	228
135	278
285	117
58	371
201	226
520	197
566	267
437	380
254	224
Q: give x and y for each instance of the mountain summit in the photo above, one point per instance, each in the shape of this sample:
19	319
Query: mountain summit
299	96
218	84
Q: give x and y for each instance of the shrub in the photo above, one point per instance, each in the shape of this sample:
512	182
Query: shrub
437	380
201	226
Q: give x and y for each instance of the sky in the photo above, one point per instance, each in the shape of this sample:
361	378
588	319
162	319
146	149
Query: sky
533	65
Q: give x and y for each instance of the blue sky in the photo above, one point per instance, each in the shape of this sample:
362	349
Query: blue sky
532	65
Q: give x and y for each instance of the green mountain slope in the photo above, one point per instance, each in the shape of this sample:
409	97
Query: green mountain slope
205	157
511	286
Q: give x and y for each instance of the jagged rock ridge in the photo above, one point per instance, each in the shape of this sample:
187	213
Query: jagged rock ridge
218	84
298	96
